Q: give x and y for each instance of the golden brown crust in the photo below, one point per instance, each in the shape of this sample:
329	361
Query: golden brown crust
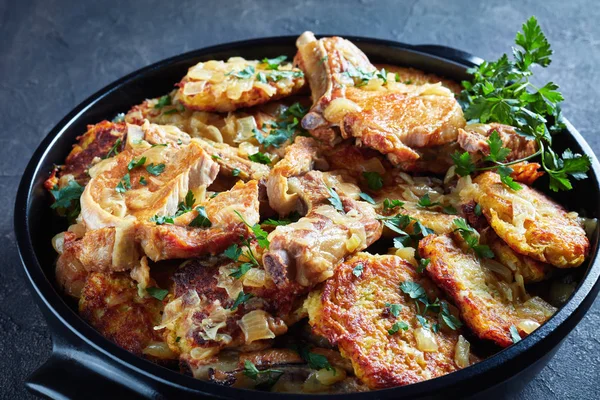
548	233
464	279
93	145
111	304
411	76
349	313
220	87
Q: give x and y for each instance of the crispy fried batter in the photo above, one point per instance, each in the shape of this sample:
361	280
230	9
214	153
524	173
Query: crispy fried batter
478	293
532	224
349	314
111	304
93	145
227	86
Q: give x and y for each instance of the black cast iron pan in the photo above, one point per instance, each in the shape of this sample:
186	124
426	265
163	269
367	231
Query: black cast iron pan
86	365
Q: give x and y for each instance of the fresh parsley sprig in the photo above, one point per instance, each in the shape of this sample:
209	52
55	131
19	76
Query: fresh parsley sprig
471	238
502	91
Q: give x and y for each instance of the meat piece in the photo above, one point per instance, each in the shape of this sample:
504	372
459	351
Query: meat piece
531	223
394	123
473	138
101	140
162	242
350	311
200	320
112	305
329	64
299	159
307	251
237	83
118	191
480	296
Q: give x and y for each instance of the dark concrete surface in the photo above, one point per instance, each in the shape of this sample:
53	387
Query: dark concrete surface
53	54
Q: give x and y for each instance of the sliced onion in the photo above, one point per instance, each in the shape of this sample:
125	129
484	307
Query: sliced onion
425	339
528	325
462	351
255	326
328	377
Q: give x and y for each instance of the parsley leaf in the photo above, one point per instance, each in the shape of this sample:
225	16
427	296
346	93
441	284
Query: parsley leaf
335	200
397	326
124	184
514	334
314	360
155	170
450	320
374	180
259	158
471	238
366	198
162	219
394	309
233	252
423	263
235	172
114	150
240	299
259	233
157	293
358	270
391	204
67	196
274	63
477	210
246	73
423	321
136	163
413	289
143	181
464	164
163	101
501	91
241	270
201	220
425	201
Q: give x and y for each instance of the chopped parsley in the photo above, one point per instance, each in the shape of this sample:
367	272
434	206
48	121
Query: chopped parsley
216	157
423	321
366	198
422	265
374	180
358	270
265	379
241	270
413	290
163	101
235	172
67	196
394	309
314	360
157	293
201	220
450	320
240	299
398	325
114	150
162	219
335	200
246	73
425	201
471	238
259	233
477	210
274	63
143	181
155	170
260	158
120	117
450	210
136	163
391	204
124	184
284	128
514	334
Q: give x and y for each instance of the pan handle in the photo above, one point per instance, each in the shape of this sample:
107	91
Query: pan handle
450	53
70	373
